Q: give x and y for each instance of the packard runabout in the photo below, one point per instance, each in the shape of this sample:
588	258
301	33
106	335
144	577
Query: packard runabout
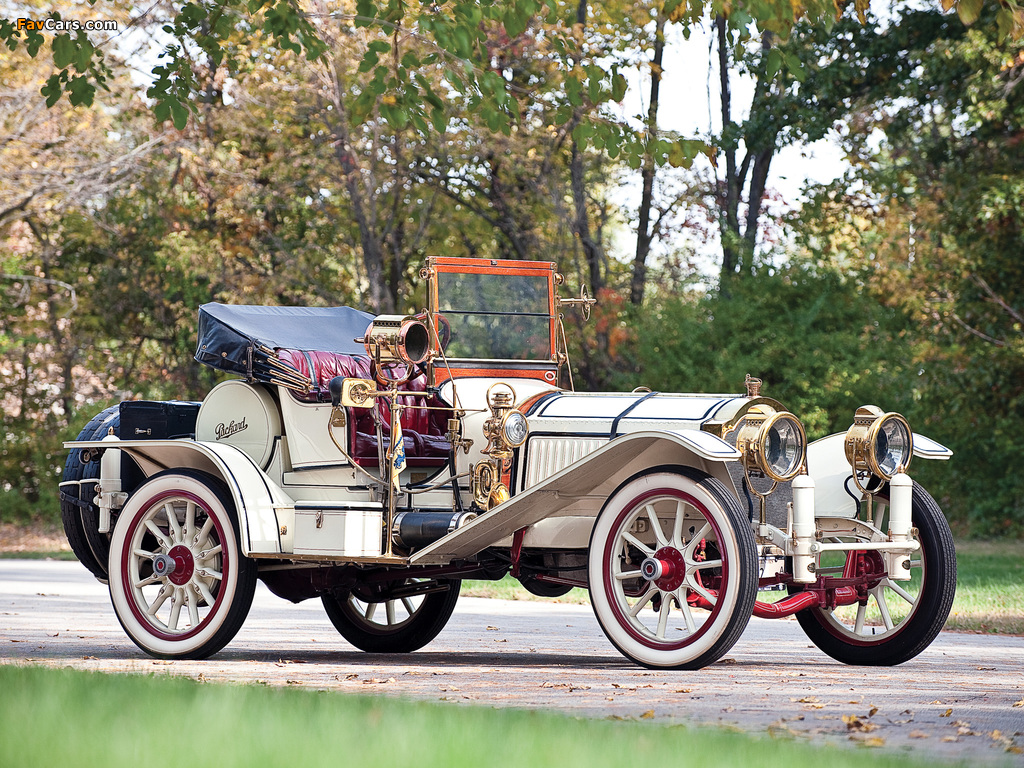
375	462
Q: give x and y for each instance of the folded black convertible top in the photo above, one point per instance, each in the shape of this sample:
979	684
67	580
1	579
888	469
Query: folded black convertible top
243	339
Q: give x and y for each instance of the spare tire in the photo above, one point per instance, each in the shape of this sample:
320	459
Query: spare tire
78	512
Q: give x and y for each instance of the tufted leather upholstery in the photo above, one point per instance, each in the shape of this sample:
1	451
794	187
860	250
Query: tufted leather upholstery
423	431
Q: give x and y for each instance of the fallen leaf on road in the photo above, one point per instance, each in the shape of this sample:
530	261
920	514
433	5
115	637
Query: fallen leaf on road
917	735
909	719
856	723
810	700
565	686
1019	703
947	713
647	715
492	629
949	739
684	690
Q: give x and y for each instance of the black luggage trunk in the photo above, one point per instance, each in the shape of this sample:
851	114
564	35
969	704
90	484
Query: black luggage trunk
158	420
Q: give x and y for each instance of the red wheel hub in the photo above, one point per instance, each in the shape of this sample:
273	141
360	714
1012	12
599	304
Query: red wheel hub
667	569
184	565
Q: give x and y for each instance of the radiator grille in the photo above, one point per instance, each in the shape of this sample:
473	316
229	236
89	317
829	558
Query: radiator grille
549	455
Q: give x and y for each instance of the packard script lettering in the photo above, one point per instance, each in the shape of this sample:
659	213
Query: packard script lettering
233	428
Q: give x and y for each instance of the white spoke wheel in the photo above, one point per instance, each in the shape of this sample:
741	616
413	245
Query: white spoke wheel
899	618
402	623
178	581
673	569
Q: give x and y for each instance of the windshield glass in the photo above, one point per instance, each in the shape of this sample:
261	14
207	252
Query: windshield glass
496	316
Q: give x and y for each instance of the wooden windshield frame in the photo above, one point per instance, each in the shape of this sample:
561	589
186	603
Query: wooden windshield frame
545	370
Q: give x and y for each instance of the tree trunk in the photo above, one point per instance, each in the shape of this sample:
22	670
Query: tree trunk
749	176
592	251
645	233
378	297
729	196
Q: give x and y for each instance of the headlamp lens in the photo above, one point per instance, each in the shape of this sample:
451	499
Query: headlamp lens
514	429
892	446
784	447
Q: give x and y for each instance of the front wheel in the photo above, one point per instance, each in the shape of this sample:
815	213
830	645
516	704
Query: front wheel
400	618
178	581
897	619
673	569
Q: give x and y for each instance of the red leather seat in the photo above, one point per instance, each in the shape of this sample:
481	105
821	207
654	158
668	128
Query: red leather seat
423	431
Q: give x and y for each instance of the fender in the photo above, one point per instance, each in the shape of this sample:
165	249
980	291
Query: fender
827	465
257	498
581	489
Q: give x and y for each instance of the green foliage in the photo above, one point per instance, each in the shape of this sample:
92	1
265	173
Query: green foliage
821	346
944	247
461	38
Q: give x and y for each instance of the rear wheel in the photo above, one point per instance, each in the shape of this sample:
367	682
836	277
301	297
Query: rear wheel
673	569
898	619
78	513
401	618
178	581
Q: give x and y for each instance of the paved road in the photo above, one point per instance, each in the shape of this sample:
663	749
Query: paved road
955	701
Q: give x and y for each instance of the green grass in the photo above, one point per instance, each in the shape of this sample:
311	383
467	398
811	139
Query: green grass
990	587
54	717
509	588
37	556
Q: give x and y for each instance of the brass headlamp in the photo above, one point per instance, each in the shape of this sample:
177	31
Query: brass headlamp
397	339
773	443
879	443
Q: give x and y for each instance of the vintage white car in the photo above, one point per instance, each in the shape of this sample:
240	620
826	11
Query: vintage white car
375	462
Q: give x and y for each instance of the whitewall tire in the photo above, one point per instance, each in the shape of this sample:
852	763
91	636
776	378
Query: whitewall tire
673	569
178	581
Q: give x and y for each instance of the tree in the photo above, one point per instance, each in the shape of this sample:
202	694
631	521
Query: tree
940	229
456	33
